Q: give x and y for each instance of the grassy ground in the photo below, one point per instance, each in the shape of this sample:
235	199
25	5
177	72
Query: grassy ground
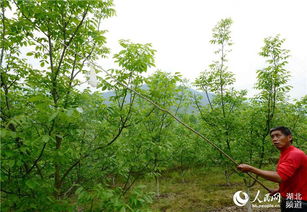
200	190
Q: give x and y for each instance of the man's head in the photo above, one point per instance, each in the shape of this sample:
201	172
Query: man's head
281	137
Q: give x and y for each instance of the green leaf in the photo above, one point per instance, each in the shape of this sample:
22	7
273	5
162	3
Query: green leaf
31	184
53	116
11	163
45	138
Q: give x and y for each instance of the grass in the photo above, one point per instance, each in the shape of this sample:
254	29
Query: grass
199	190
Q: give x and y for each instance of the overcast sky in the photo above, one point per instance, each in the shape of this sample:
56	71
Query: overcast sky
180	31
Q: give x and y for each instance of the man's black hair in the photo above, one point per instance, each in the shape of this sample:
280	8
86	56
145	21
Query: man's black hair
284	130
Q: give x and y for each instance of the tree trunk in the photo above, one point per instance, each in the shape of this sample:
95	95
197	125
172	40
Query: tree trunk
157	185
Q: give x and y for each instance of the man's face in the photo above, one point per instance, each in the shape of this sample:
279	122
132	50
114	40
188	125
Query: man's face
280	140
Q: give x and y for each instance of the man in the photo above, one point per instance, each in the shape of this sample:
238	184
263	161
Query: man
291	171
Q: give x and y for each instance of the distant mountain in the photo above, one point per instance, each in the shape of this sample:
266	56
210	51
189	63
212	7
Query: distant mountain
192	107
204	100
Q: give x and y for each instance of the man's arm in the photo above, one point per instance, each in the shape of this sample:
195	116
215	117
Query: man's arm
269	175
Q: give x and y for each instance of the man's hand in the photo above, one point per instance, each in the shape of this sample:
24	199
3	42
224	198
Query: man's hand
269	175
244	168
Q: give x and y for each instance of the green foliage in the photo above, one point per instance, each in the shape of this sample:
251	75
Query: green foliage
100	198
272	80
135	57
221	117
272	83
217	78
63	149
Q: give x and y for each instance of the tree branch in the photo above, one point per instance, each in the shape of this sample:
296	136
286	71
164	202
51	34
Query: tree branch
36	161
66	45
